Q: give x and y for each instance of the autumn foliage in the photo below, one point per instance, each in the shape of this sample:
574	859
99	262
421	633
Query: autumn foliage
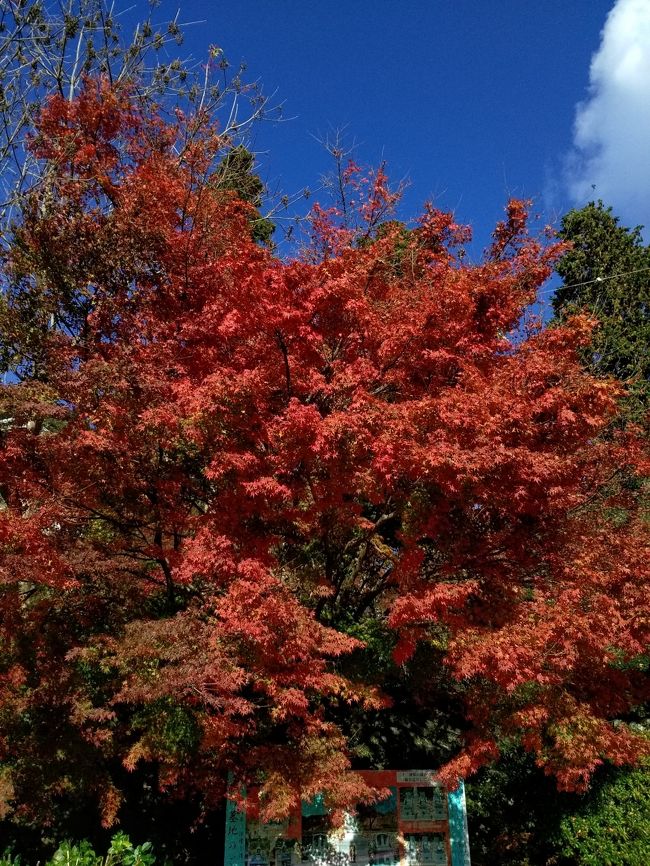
214	460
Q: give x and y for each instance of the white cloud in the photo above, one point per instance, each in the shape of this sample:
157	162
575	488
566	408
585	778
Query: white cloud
612	127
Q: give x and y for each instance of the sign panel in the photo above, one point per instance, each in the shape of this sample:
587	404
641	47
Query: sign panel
416	777
235	844
418	824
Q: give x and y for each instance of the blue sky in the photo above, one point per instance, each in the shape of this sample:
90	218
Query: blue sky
472	100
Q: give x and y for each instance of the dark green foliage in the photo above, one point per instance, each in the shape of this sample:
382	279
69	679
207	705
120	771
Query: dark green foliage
168	728
518	818
422	725
513	813
608	273
237	173
611	826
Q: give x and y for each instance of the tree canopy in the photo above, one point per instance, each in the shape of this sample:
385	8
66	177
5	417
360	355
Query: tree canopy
223	470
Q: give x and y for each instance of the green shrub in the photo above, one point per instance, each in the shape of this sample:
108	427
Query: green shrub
612	827
9	859
123	853
120	853
70	854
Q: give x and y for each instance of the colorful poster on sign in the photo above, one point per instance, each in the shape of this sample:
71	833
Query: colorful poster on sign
369	838
269	845
420	805
417	824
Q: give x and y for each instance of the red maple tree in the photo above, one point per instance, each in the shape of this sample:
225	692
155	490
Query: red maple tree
212	458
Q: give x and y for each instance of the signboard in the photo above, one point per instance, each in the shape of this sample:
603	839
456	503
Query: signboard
235	844
418	824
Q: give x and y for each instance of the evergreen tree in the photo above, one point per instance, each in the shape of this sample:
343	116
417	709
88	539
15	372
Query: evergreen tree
236	173
607	272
